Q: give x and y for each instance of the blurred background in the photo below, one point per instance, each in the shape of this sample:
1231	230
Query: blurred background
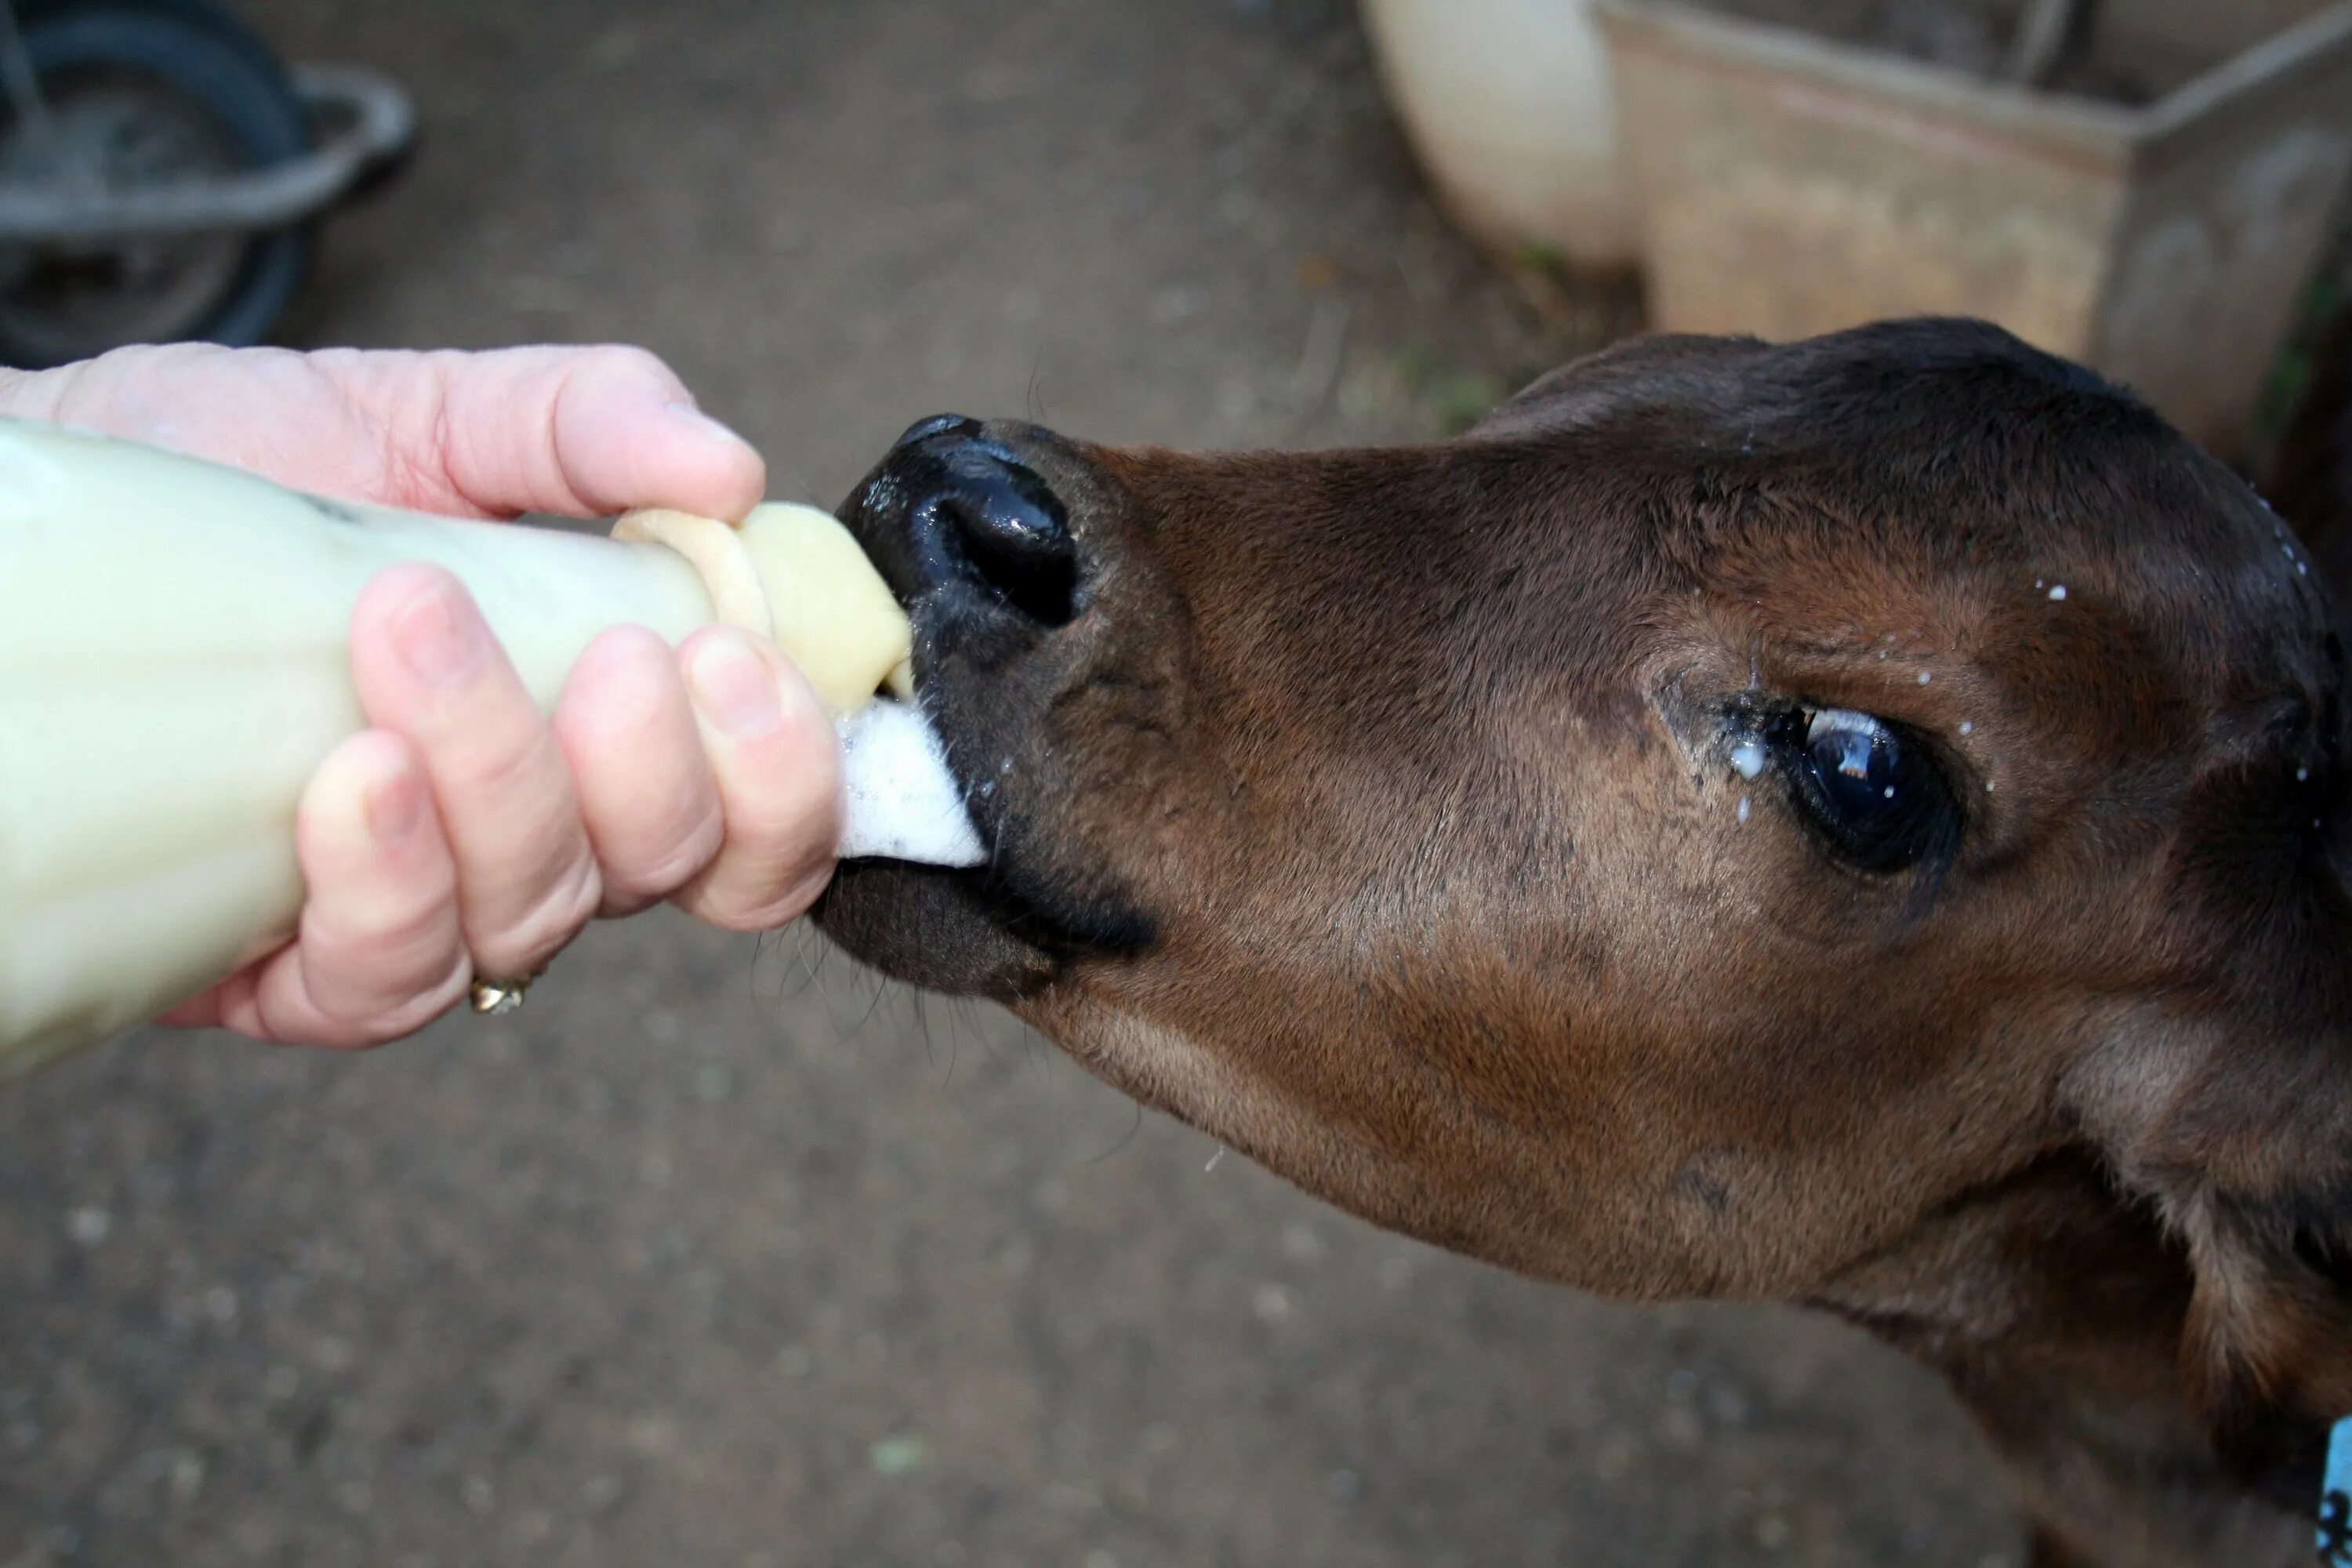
723	1253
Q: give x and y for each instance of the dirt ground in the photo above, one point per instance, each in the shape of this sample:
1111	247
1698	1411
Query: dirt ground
719	1254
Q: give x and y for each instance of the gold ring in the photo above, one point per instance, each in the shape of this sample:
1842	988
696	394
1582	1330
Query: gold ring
497	999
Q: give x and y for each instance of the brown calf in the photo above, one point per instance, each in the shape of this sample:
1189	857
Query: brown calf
1860	822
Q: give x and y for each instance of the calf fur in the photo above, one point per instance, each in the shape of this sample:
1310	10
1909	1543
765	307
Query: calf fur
1461	831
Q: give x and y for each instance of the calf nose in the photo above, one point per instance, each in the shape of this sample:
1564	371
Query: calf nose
977	514
938	425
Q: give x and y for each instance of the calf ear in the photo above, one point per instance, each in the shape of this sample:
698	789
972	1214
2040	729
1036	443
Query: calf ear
2232	1110
2250	1171
2268	1333
2227	1104
2262	1198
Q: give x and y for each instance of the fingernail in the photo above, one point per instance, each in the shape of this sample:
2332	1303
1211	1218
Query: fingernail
395	807
440	638
734	690
688	417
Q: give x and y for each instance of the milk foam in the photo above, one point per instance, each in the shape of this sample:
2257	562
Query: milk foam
900	801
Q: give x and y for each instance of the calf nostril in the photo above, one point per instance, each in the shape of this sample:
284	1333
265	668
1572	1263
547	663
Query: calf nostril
936	425
953	508
1010	531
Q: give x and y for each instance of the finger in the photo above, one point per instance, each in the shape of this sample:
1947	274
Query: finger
197	1012
580	431
269	410
778	767
380	952
647	796
426	667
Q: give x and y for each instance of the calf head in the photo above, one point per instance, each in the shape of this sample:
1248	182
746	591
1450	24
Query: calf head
1682	837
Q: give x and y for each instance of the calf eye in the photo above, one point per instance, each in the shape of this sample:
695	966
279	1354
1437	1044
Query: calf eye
1875	794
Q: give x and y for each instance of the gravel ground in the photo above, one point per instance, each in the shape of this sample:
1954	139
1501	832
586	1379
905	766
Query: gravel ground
719	1253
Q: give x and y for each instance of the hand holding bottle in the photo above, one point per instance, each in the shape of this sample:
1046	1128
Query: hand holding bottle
465	835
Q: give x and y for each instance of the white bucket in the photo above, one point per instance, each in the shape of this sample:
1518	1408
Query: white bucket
1509	105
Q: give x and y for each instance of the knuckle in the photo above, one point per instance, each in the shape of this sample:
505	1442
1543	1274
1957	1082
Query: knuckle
615	693
797	793
763	909
405	1017
677	859
418	924
509	764
363	1017
393	921
542	927
627	361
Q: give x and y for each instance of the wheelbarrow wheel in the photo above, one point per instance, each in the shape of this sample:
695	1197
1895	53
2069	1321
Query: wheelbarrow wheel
143	93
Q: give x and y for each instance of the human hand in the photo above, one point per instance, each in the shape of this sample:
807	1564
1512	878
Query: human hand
465	834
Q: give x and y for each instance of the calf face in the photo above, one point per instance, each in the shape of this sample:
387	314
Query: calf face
1683	836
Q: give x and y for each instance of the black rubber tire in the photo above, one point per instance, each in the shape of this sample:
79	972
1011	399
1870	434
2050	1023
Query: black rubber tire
215	20
208	57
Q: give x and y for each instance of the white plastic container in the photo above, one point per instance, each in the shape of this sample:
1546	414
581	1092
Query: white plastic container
173	668
1509	105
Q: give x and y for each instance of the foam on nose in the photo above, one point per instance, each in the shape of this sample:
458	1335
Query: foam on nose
900	801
